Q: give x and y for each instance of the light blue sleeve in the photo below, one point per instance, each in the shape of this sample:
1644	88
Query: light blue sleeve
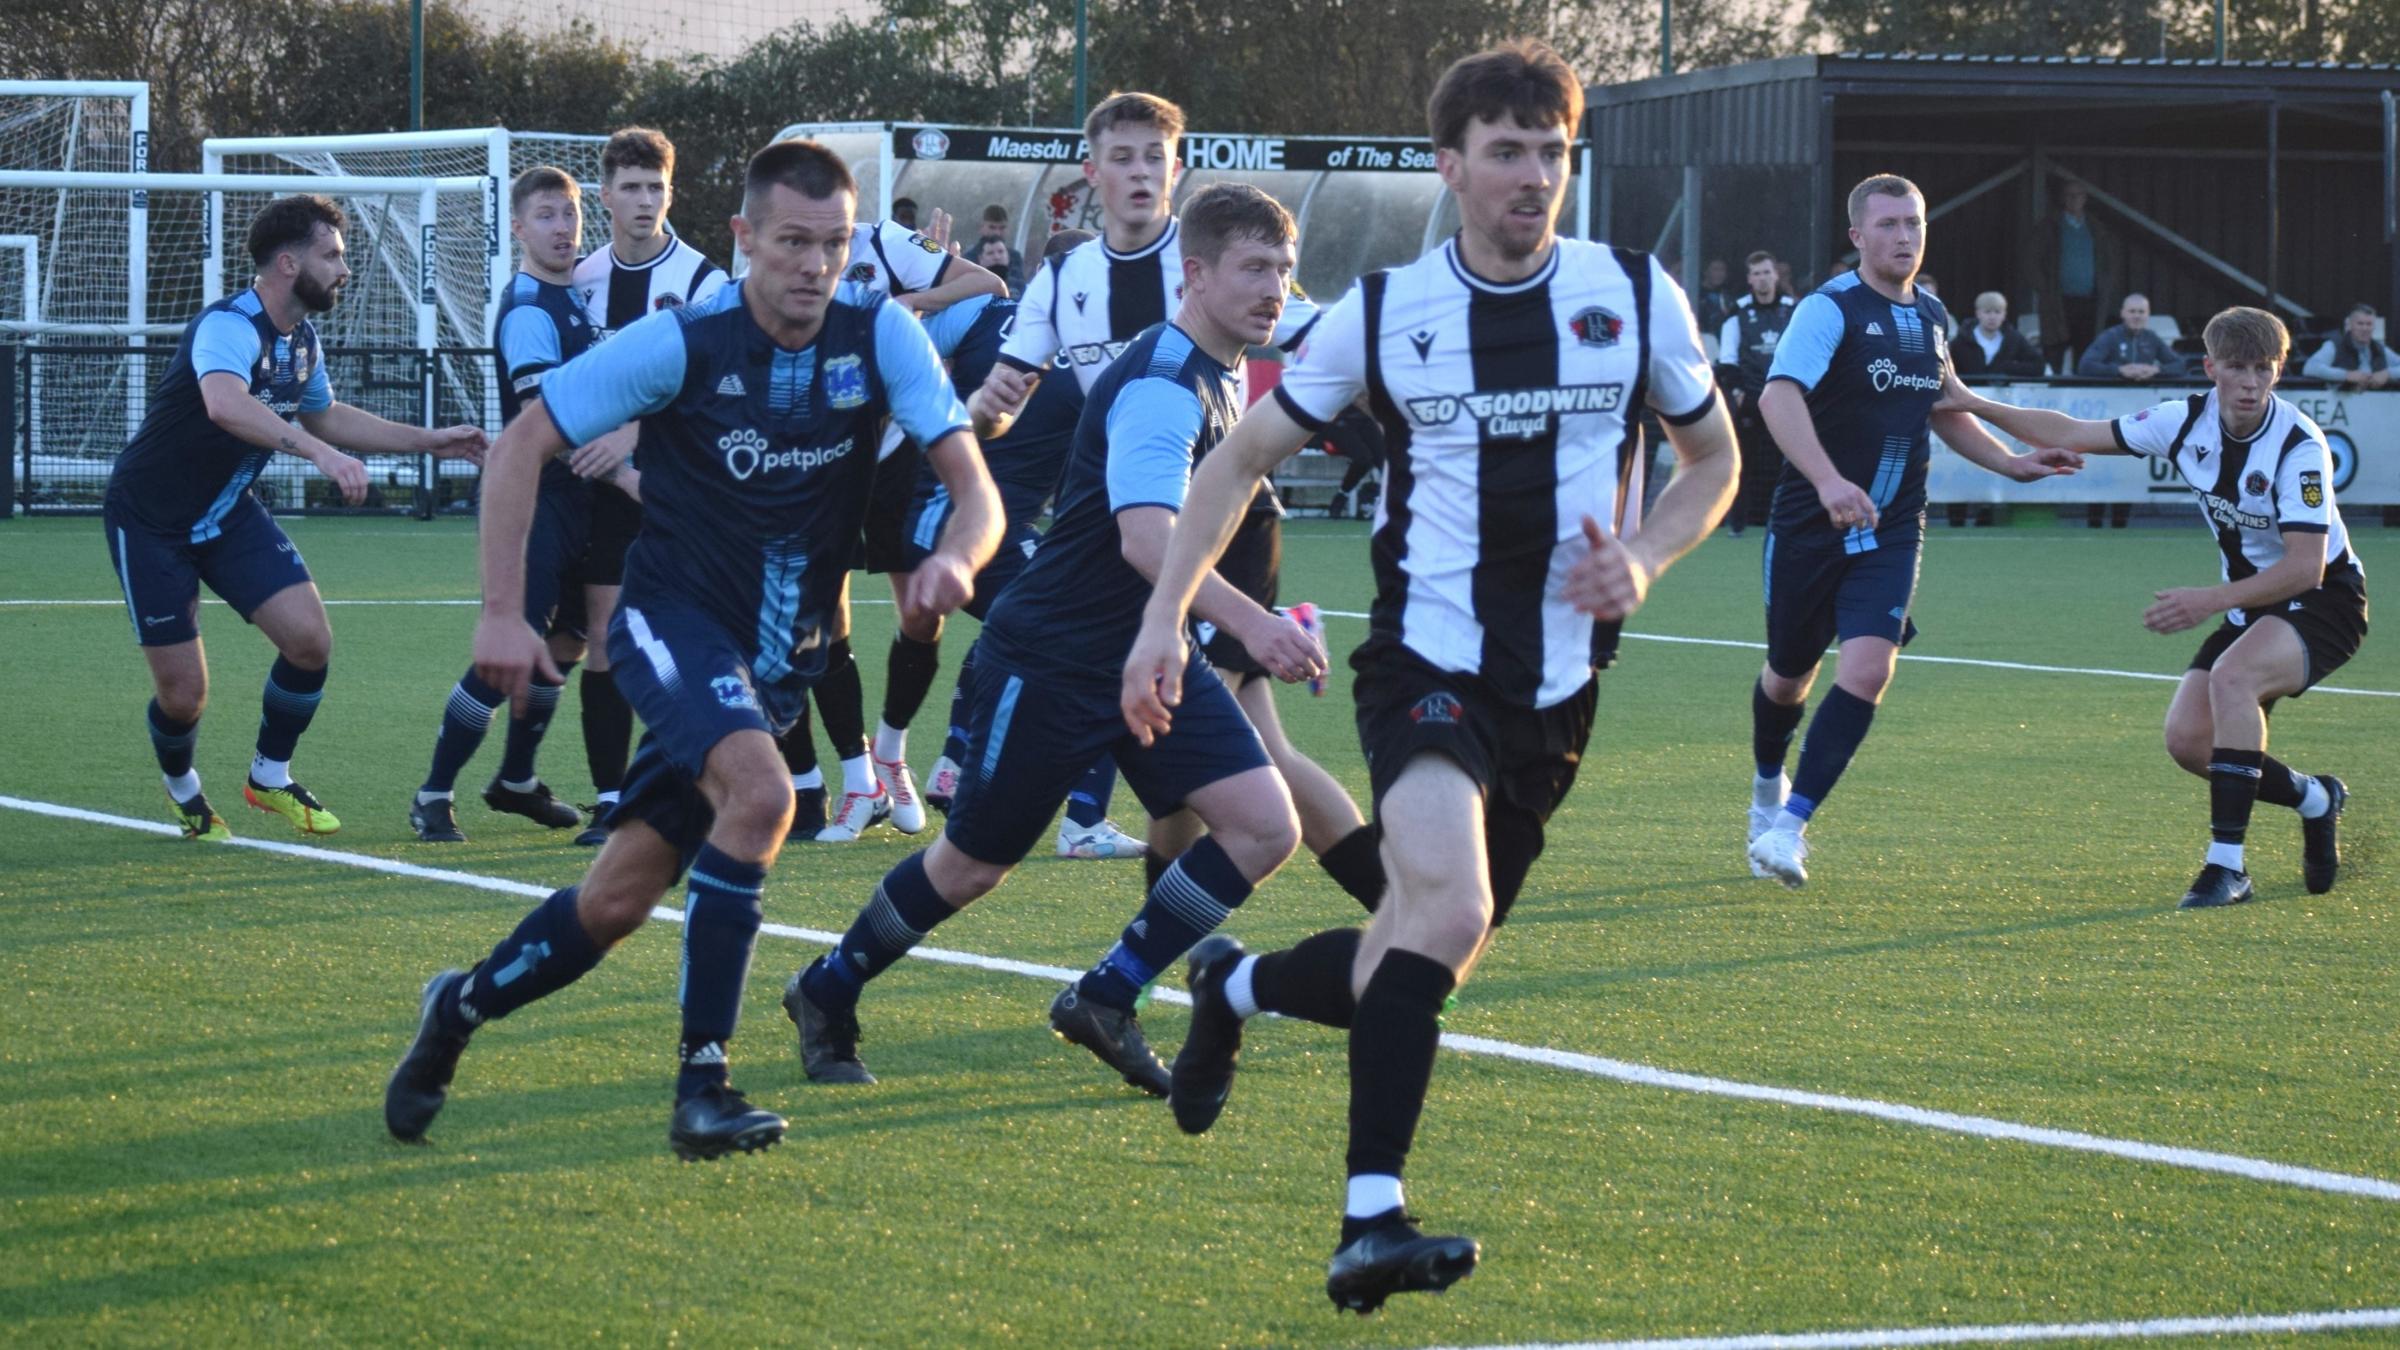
226	341
638	371
1152	428
1806	351
528	344
914	383
949	328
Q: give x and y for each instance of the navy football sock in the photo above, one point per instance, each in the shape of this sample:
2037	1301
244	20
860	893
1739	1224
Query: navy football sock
1771	728
1355	862
172	741
908	678
464	720
1087	805
721	917
607	731
1841	724
1392	1044
286	707
842	702
549	951
525	730
955	744
906	907
1310	981
1189	901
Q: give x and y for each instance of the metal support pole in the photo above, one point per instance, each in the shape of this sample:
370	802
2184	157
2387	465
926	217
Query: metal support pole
2221	31
1083	62
1690	246
2391	195
2274	197
1666	37
416	65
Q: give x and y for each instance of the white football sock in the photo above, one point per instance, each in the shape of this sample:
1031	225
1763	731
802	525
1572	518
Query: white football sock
183	787
1237	989
527	786
1767	794
424	796
1371	1193
891	742
270	773
2315	801
1785	820
858	776
2225	855
812	781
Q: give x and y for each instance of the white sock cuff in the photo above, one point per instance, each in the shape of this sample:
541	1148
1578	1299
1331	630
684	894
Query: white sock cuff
2225	855
183	788
1372	1193
1237	989
273	773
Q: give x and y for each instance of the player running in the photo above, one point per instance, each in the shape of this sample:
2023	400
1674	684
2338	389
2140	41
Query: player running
541	327
1507	368
247	381
644	269
2293	595
761	408
1045	676
1850	400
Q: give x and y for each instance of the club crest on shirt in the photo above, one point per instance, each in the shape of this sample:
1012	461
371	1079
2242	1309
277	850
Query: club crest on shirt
862	273
2254	484
845	382
667	302
2312	488
1596	327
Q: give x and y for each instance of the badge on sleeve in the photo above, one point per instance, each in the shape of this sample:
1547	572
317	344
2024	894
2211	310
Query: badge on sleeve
2312	488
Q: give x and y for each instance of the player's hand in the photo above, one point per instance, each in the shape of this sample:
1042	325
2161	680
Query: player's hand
2178	609
1956	397
1002	396
937	229
1609	582
508	652
1289	652
2049	461
1847	504
461	442
347	472
601	456
1153	681
940	585
627	480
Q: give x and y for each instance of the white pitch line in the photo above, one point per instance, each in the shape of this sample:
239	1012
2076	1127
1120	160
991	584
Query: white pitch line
2154	1329
1641	1075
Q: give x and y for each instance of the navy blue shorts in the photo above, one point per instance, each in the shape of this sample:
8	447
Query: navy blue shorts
690	681
1816	593
555	553
247	564
1030	740
930	512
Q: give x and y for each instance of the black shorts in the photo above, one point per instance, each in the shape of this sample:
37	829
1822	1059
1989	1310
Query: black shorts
1817	592
2331	622
1523	758
1253	565
616	519
883	543
557	554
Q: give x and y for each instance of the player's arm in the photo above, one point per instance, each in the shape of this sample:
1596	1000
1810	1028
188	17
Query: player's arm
224	349
2031	426
1966	437
1612	580
1286	649
930	278
926	410
1801	359
1032	341
630	376
360	430
2302	568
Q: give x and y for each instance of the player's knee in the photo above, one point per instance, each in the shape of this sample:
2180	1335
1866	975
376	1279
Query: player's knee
1262	844
2231	681
183	698
309	650
757	813
611	908
2189	747
566	648
1453	929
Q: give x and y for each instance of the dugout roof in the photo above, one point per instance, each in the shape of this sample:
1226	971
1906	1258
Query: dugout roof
2238	182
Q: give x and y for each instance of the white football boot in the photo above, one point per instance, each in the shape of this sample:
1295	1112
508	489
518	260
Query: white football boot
908	810
1101	841
1781	854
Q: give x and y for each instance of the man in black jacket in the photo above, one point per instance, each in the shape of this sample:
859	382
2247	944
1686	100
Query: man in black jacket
1745	350
1992	349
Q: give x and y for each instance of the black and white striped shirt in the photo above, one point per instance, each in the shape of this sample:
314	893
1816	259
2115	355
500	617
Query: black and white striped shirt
1510	412
616	293
2250	491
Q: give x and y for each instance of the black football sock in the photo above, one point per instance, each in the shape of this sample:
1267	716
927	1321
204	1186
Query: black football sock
287	705
172	741
1187	903
1087	805
799	746
908	678
2233	782
2279	784
1771	728
526	729
842	702
1355	862
1310	981
465	719
607	731
1392	1044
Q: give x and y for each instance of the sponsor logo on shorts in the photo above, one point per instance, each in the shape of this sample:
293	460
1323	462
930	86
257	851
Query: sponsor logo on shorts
731	692
2312	488
149	622
845	382
1440	709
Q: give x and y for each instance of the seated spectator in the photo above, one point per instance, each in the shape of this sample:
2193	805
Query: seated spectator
1000	260
1991	348
2128	350
1715	299
2353	358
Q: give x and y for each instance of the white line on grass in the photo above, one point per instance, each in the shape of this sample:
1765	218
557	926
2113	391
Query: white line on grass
1642	1075
1637	637
2154	1329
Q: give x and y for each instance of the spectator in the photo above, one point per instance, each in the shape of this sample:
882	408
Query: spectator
904	211
2128	350
995	227
1000	260
1783	279
1746	345
2353	358
1991	348
1715	301
1927	283
2072	268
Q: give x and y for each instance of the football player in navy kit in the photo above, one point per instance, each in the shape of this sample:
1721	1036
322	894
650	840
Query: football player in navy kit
760	409
247	382
2293	594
